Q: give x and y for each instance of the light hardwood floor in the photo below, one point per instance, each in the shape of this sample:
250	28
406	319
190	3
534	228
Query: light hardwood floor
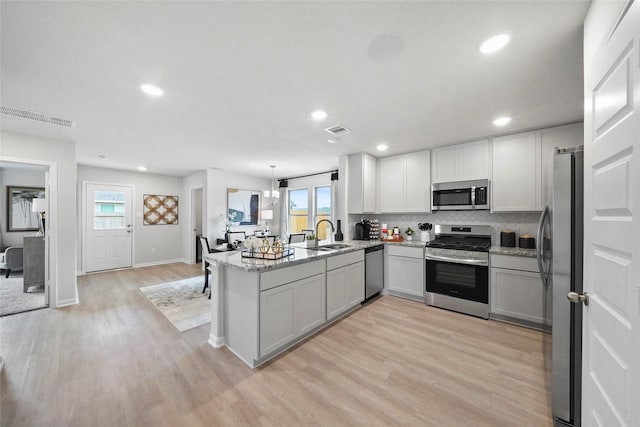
114	360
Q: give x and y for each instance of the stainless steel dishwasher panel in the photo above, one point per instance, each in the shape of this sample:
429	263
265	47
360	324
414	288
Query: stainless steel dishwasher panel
374	271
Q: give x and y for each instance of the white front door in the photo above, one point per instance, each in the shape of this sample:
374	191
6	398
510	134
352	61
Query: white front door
611	332
108	227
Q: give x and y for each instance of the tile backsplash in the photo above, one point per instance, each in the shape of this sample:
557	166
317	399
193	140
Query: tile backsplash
521	223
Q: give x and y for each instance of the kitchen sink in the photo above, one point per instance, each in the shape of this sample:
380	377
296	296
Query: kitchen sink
335	246
329	247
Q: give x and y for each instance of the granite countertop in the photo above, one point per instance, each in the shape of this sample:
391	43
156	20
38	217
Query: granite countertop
500	250
234	259
411	243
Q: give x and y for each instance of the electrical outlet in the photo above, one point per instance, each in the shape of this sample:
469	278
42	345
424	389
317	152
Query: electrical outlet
154	250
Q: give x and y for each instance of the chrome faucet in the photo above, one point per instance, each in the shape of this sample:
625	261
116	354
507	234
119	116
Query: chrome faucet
323	220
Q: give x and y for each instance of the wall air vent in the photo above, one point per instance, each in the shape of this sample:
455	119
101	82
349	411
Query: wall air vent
337	130
39	117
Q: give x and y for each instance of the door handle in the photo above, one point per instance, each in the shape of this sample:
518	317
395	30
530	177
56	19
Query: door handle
544	275
128	231
577	298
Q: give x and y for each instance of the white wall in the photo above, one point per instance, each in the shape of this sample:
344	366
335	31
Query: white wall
164	238
16	178
216	201
60	156
197	179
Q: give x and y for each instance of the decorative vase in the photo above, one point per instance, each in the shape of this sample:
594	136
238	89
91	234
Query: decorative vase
409	237
339	236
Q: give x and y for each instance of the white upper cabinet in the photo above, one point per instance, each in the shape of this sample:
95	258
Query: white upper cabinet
461	162
515	162
417	188
391	173
361	183
520	163
404	183
561	137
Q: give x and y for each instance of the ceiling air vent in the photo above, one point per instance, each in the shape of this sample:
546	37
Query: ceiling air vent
39	117
337	130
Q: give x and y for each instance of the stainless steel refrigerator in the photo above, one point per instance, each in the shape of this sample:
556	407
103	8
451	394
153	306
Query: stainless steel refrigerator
560	236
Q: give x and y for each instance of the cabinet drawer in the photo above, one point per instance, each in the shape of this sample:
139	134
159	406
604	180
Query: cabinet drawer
281	276
344	259
405	251
515	262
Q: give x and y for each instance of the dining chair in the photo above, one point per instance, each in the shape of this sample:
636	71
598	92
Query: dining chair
297	238
204	245
232	236
11	259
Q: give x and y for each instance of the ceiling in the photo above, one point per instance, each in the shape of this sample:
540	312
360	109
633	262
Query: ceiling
241	78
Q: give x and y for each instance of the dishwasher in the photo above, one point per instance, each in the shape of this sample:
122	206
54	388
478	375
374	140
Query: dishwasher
374	271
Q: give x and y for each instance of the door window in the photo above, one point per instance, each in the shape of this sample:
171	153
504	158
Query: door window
109	210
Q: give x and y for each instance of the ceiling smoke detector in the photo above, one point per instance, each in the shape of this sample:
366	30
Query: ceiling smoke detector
337	130
39	117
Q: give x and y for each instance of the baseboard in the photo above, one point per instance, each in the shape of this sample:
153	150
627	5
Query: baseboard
168	261
216	342
67	302
403	295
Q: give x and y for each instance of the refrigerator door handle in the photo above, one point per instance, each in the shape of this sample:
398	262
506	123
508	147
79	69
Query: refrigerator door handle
544	275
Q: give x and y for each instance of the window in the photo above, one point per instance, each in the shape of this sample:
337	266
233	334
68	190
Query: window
307	206
322	205
298	210
108	211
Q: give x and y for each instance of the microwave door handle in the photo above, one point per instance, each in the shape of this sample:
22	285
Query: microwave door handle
473	197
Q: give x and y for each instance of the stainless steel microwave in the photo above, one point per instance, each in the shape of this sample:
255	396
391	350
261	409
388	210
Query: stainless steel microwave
460	195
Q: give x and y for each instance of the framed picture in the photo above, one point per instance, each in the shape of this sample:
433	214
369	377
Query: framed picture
243	206
160	209
19	214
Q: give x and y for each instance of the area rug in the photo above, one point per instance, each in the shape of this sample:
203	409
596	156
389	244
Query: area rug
182	302
13	300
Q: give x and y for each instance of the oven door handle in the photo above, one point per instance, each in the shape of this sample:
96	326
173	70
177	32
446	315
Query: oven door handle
482	262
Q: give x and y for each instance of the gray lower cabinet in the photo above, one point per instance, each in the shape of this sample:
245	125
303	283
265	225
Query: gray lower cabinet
404	271
517	293
289	311
33	261
345	288
266	312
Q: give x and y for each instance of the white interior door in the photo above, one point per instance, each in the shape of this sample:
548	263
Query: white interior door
611	333
108	227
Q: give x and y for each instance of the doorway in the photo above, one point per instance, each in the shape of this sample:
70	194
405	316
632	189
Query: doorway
24	241
108	226
197	226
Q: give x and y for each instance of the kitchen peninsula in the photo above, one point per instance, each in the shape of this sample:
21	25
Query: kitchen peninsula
259	308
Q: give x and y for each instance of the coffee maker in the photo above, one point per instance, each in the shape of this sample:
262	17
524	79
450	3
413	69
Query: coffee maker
362	230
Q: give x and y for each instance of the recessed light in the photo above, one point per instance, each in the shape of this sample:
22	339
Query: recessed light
142	168
494	43
382	147
501	121
319	115
151	90
103	157
332	141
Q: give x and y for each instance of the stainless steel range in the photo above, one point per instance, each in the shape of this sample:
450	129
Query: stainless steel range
458	269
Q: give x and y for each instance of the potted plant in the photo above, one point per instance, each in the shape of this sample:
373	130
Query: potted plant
409	232
311	242
425	231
